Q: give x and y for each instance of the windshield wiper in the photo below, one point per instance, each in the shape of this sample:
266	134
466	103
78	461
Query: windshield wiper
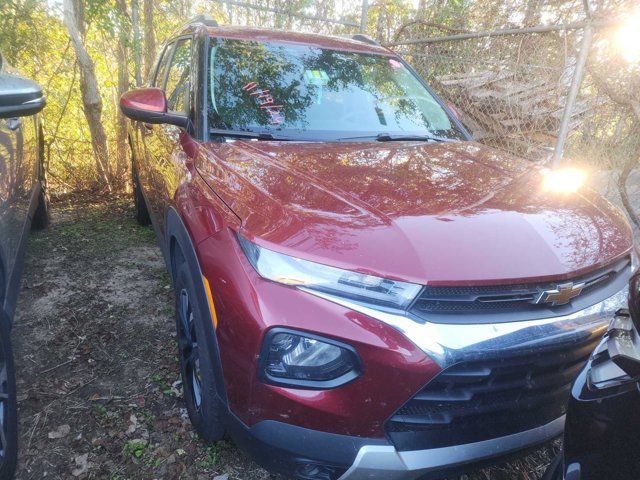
388	137
221	132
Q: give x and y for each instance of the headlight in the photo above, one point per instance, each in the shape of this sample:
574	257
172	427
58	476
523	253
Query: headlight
300	359
330	280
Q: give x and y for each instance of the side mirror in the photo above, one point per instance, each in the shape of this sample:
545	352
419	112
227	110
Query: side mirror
149	105
19	97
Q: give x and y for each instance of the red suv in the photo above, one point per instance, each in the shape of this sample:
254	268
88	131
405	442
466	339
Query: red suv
361	290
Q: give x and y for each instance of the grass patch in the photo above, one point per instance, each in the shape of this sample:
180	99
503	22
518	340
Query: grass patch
135	448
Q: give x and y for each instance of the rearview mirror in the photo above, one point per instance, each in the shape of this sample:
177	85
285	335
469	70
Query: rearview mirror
149	105
19	97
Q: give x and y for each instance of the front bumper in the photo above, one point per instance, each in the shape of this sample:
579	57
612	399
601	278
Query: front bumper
293	427
384	462
292	449
314	455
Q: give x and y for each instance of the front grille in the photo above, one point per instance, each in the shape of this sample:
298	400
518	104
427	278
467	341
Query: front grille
505	298
490	397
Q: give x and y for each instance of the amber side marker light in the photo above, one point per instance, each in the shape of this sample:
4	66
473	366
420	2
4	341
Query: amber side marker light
212	307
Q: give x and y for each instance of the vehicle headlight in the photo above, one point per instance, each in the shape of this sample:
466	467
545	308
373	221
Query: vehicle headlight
301	359
346	284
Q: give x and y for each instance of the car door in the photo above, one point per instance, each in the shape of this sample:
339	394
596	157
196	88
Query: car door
10	218
20	101
18	180
166	157
144	144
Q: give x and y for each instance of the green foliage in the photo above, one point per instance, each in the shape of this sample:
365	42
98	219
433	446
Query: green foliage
135	448
34	39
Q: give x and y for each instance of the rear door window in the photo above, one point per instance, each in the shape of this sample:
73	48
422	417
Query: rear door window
178	79
158	80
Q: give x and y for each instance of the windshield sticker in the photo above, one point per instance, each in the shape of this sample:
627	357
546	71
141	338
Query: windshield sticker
266	102
316	77
395	64
319	78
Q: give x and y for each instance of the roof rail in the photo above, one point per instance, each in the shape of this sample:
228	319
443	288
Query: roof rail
360	37
206	20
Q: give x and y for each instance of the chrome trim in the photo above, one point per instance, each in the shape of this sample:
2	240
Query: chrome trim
385	463
449	343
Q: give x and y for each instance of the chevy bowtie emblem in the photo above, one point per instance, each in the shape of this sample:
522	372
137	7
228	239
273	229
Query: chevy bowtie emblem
561	295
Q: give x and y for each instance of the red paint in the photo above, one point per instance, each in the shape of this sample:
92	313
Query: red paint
149	99
300	38
189	146
441	214
446	213
248	305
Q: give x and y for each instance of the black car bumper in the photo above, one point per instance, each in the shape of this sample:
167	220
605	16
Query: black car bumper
313	455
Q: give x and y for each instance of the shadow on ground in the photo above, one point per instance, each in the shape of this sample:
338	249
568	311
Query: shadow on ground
98	381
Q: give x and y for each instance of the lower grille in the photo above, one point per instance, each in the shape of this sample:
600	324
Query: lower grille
491	397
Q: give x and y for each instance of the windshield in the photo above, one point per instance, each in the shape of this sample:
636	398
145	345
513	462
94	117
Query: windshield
298	91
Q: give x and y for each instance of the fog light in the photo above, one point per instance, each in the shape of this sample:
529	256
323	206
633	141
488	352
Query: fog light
304	360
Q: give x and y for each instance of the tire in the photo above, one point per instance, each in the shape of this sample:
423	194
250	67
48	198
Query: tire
8	407
41	216
196	359
142	214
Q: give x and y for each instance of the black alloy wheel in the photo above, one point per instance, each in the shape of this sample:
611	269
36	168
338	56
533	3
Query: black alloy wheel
188	350
195	334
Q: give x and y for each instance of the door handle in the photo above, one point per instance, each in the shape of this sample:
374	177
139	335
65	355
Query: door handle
14	123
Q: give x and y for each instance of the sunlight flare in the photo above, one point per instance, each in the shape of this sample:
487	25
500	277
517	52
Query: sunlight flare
565	180
628	38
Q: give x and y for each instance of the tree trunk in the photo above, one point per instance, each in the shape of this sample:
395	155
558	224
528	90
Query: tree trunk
149	38
91	100
632	162
121	122
135	30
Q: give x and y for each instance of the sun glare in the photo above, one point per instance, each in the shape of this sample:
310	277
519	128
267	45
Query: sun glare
628	38
565	180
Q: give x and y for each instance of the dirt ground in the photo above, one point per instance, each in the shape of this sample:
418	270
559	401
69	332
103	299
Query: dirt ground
98	382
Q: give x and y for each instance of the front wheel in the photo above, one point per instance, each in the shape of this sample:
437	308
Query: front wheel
196	360
8	410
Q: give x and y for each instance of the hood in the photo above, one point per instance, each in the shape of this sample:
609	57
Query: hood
431	213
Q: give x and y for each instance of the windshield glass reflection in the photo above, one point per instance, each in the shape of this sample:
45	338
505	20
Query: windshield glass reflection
300	90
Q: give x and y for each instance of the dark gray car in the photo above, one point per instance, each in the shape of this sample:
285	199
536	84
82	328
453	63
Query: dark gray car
23	206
